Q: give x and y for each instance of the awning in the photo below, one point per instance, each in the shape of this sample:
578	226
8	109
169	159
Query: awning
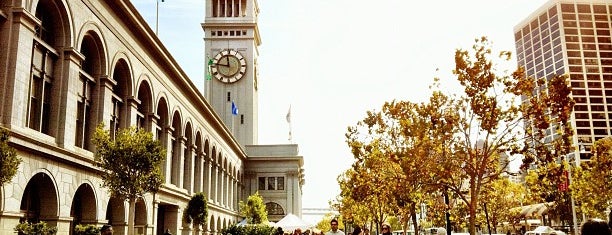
534	210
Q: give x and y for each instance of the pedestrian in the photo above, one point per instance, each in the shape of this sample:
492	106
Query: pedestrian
167	232
366	231
334	228
357	231
297	231
386	228
106	229
279	231
595	227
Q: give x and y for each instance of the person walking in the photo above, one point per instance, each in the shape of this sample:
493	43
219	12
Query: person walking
595	227
334	228
386	228
106	229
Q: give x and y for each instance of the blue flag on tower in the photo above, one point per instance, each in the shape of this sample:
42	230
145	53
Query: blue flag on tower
234	109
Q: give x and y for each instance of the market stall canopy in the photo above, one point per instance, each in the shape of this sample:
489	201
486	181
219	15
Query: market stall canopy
291	222
534	210
544	230
244	223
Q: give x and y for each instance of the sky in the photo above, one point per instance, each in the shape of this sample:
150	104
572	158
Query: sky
333	60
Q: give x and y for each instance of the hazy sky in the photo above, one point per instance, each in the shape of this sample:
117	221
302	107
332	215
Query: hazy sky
333	60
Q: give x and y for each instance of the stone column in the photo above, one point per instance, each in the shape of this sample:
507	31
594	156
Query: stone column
13	105
181	145
67	83
106	96
168	139
152	126
292	186
189	162
207	177
199	171
214	183
131	111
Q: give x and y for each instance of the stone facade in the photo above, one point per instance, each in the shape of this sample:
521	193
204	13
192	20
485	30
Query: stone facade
67	66
275	171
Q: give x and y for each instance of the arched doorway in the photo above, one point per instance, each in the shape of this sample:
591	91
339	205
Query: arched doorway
140	218
84	208
39	200
167	218
115	214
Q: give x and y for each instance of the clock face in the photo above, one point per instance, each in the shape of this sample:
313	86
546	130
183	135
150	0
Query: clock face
229	66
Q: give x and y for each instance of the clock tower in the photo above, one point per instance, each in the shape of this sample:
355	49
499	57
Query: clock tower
231	38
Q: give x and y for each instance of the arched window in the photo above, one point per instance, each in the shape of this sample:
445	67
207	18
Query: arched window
44	57
274	209
90	69
121	74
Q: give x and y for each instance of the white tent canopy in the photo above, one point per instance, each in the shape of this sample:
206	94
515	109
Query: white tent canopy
291	222
244	223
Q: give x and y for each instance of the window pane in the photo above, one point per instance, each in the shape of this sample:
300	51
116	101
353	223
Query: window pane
271	183
280	183
262	183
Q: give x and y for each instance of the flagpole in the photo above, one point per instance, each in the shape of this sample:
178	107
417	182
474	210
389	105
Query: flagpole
288	117
156	15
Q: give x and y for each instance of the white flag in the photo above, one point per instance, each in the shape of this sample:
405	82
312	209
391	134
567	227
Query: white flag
288	117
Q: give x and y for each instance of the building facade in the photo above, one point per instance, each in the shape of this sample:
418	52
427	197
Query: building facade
573	37
231	41
67	66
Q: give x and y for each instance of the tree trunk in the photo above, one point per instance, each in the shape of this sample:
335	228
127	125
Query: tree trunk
414	221
131	215
472	207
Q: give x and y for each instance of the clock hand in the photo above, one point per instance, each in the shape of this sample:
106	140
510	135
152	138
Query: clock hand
226	64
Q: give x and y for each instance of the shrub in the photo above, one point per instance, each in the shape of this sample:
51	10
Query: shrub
87	229
40	228
258	229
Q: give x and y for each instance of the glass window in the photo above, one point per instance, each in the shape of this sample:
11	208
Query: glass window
599	9
262	183
274	209
583	8
280	183
271	183
83	113
567	8
43	61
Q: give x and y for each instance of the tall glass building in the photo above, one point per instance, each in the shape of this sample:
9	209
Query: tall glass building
573	37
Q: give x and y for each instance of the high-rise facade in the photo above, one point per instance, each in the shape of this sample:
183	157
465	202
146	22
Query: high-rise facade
573	37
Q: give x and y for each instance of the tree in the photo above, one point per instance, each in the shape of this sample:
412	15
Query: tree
591	182
459	139
370	180
548	140
130	164
197	210
254	209
483	124
351	210
324	224
9	162
503	195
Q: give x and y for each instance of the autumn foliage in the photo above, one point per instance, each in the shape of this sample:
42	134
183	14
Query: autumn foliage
410	154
